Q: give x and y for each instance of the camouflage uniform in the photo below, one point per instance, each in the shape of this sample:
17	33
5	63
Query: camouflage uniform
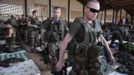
55	31
14	23
83	49
5	35
33	33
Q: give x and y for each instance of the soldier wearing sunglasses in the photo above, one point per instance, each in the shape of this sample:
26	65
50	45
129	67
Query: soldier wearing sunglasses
82	40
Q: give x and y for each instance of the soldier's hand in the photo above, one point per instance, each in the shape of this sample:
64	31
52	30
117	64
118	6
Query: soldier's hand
59	65
8	26
35	26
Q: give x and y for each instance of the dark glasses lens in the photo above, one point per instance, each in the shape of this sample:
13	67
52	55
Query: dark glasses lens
93	10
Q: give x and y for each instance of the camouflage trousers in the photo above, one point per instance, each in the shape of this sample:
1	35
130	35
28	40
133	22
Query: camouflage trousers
33	38
86	61
85	68
54	56
53	51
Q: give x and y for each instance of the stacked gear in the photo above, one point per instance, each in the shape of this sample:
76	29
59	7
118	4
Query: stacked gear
7	59
7	62
131	35
126	62
128	47
116	35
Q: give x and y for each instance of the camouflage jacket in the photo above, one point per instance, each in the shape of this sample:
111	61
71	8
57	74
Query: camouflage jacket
55	30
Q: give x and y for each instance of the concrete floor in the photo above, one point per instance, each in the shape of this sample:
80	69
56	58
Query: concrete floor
39	62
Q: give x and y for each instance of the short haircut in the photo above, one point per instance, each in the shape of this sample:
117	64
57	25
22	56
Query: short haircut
34	11
56	7
86	2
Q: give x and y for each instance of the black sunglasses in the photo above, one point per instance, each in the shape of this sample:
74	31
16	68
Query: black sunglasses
93	10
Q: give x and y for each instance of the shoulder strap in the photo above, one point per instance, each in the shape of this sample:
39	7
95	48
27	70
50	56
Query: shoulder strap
87	27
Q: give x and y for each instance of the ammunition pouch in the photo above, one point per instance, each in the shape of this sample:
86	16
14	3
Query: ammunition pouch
83	52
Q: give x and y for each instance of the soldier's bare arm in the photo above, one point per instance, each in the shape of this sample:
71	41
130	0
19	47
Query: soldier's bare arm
63	47
75	27
112	60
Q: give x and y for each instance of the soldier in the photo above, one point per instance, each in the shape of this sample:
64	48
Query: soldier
7	28
14	23
54	31
22	29
82	36
32	24
7	35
